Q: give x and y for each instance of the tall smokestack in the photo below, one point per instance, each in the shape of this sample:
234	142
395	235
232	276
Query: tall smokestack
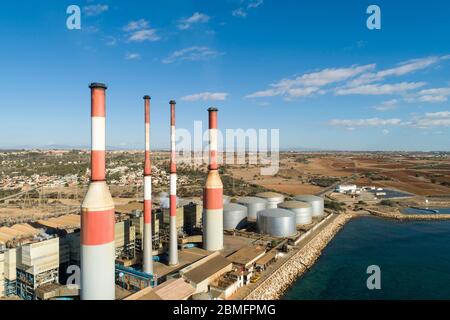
213	193
147	259
173	248
97	213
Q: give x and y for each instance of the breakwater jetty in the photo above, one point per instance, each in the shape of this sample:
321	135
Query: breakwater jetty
397	215
274	286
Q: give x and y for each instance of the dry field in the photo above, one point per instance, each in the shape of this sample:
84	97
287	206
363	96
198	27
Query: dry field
421	175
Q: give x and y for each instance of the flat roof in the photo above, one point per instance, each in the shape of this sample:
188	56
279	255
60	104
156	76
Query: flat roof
265	259
207	269
247	255
173	289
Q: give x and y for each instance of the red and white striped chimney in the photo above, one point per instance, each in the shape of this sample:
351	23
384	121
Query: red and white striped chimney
173	237
147	239
97	213
213	193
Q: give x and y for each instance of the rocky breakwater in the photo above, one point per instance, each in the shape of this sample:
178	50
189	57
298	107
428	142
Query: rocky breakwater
281	279
397	215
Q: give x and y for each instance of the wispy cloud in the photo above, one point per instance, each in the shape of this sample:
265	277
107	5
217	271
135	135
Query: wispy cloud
206	96
310	83
431	120
140	31
132	56
380	89
358	80
403	68
424	121
196	18
387	105
433	95
371	122
242	12
95	10
239	12
192	54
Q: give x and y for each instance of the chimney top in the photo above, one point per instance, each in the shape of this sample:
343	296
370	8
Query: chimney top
147	97
213	109
172	102
98	85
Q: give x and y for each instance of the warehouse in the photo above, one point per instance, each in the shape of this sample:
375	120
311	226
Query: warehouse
202	273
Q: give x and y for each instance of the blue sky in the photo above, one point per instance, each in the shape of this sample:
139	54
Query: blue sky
309	68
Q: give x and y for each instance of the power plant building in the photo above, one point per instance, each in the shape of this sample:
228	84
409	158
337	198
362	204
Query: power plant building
37	265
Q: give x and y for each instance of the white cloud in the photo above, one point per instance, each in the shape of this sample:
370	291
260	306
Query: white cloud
385	131
239	12
132	56
431	119
359	80
380	89
387	105
197	17
310	83
192	54
424	121
206	96
371	122
140	31
95	10
256	4
403	68
144	35
434	95
136	25
242	12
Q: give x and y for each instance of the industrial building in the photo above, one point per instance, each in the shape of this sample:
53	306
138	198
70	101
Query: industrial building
37	265
202	273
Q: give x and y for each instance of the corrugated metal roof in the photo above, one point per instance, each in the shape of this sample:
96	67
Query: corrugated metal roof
207	269
246	254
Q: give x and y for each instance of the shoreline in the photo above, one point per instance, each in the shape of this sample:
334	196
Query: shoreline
276	285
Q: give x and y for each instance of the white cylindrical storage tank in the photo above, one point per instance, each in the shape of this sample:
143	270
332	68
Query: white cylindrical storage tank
234	216
316	203
302	210
277	222
254	205
273	198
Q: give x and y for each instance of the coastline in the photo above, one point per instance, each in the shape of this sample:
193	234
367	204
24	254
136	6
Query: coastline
274	286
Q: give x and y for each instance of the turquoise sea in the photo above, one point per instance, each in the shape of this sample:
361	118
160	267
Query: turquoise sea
414	258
